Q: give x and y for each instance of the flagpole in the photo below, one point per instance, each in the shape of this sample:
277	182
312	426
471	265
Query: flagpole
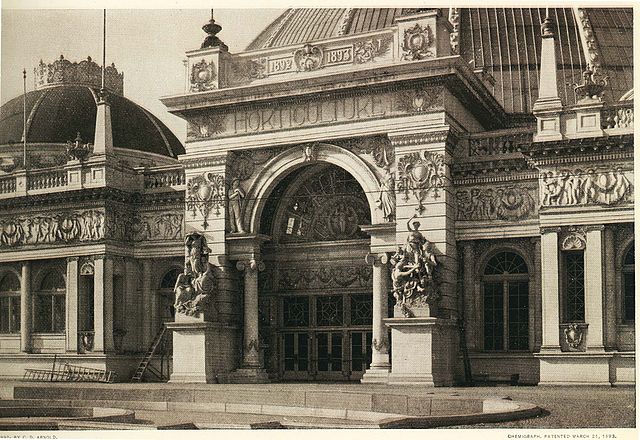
104	43
24	118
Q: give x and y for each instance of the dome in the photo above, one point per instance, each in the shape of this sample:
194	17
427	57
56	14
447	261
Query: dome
504	43
57	113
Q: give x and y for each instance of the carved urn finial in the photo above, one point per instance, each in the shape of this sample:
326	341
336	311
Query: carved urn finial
212	28
77	149
547	26
592	86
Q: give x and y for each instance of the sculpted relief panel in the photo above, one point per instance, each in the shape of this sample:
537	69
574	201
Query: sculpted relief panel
89	225
588	186
68	226
506	202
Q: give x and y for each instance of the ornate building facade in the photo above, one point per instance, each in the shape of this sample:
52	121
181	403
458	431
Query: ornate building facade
385	195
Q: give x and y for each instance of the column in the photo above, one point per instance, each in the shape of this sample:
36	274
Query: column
103	304
72	304
380	345
536	292
26	302
250	347
593	288
611	298
550	290
146	303
468	286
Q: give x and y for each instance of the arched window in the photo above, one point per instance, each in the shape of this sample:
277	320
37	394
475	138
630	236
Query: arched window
506	303
9	303
629	285
49	303
328	206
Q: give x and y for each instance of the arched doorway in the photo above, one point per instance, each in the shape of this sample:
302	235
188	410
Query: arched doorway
316	294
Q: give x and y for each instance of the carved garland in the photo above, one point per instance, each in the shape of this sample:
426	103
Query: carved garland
420	174
204	193
496	203
607	186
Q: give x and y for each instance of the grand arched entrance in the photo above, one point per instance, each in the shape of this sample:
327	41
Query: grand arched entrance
316	294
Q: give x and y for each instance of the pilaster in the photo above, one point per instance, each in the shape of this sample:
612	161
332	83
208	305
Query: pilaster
103	304
468	285
594	288
26	301
610	297
147	277
550	290
72	305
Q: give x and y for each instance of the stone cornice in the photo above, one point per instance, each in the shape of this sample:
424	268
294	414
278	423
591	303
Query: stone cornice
452	70
575	148
490	171
201	162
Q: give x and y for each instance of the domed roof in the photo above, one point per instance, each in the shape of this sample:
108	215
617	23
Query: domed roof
57	113
503	42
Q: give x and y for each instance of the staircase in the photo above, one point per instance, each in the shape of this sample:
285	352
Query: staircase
145	364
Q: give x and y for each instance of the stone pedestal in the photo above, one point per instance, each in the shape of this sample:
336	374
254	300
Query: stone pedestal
423	351
194	348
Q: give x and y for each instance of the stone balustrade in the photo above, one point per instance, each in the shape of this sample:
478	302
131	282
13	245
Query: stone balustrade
164	178
46	179
618	116
7	185
500	143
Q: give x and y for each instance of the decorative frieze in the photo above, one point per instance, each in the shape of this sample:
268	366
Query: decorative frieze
420	173
597	186
505	202
65	227
323	110
204	193
321	277
157	226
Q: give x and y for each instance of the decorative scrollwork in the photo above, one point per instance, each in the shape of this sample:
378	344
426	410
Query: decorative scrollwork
420	174
495	203
204	193
367	50
308	58
203	76
417	43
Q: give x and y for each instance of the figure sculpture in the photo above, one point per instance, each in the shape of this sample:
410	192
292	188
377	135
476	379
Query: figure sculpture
235	206
413	271
194	287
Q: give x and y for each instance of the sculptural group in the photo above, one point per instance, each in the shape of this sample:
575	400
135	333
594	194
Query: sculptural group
195	285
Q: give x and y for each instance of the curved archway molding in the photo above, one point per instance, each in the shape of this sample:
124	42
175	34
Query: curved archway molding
281	165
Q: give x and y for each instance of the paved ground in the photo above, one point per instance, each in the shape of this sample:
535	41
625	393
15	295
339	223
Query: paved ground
564	407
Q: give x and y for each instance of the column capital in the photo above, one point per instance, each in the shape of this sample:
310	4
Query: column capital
71	259
589	228
377	259
250	265
550	229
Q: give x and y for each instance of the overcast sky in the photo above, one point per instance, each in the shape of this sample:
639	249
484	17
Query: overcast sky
148	45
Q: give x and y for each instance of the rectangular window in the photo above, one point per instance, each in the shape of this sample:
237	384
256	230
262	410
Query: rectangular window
518	315
10	314
574	286
49	313
329	310
629	296
493	316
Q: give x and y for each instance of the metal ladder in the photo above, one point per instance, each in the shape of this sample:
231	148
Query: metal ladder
145	363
